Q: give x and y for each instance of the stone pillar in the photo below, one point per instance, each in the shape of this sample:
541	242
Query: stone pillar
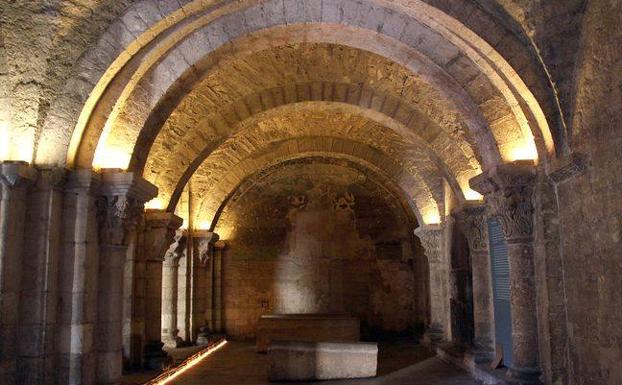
15	178
77	312
431	238
134	300
159	234
39	289
219	248
473	222
120	206
169	333
203	245
508	190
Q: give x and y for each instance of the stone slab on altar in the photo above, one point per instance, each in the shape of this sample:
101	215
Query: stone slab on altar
306	328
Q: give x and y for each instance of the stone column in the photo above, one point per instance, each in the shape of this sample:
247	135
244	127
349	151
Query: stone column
472	220
431	238
508	190
169	333
77	312
39	289
217	301
120	206
15	178
159	234
203	242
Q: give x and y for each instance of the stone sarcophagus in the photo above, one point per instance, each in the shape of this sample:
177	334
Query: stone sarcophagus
306	361
306	328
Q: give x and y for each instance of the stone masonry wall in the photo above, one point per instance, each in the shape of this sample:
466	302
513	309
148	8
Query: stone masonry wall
319	238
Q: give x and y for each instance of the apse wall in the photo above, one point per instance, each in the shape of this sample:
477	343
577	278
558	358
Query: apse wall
320	237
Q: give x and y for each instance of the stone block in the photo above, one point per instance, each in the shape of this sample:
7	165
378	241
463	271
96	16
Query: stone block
299	361
307	328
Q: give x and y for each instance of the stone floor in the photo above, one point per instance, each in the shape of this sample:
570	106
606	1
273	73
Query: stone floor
399	363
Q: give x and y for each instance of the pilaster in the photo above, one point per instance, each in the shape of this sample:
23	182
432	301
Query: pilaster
432	241
159	234
472	219
15	179
170	265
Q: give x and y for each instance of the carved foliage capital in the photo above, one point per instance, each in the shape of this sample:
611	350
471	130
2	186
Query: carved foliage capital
432	241
508	190
160	228
117	216
177	249
472	221
203	243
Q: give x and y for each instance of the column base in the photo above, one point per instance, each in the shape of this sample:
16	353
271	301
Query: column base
154	356
524	376
172	340
203	339
482	352
433	336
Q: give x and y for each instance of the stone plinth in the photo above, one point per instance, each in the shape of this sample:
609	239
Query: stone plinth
307	328
299	361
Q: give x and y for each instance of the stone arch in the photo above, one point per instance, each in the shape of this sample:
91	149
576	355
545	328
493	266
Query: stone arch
425	193
425	9
376	174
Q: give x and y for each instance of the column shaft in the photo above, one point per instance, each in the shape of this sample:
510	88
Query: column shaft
14	181
509	190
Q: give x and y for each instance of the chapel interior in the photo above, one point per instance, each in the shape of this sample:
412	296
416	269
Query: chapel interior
361	192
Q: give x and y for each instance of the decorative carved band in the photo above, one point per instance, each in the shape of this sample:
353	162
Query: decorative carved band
576	165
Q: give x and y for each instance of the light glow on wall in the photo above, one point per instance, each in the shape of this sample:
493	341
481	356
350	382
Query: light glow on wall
4	140
156	204
203	225
111	157
524	150
430	215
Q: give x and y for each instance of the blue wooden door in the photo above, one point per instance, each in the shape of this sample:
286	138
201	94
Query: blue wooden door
501	289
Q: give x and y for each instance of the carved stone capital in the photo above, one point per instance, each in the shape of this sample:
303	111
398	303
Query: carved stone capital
203	240
432	241
160	228
472	221
121	205
14	175
508	190
177	249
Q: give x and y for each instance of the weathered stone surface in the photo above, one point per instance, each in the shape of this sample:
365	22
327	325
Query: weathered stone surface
300	361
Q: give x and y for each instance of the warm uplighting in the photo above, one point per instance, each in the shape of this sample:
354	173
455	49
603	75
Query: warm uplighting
203	225
471	195
431	216
155	204
4	140
525	150
177	371
111	157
